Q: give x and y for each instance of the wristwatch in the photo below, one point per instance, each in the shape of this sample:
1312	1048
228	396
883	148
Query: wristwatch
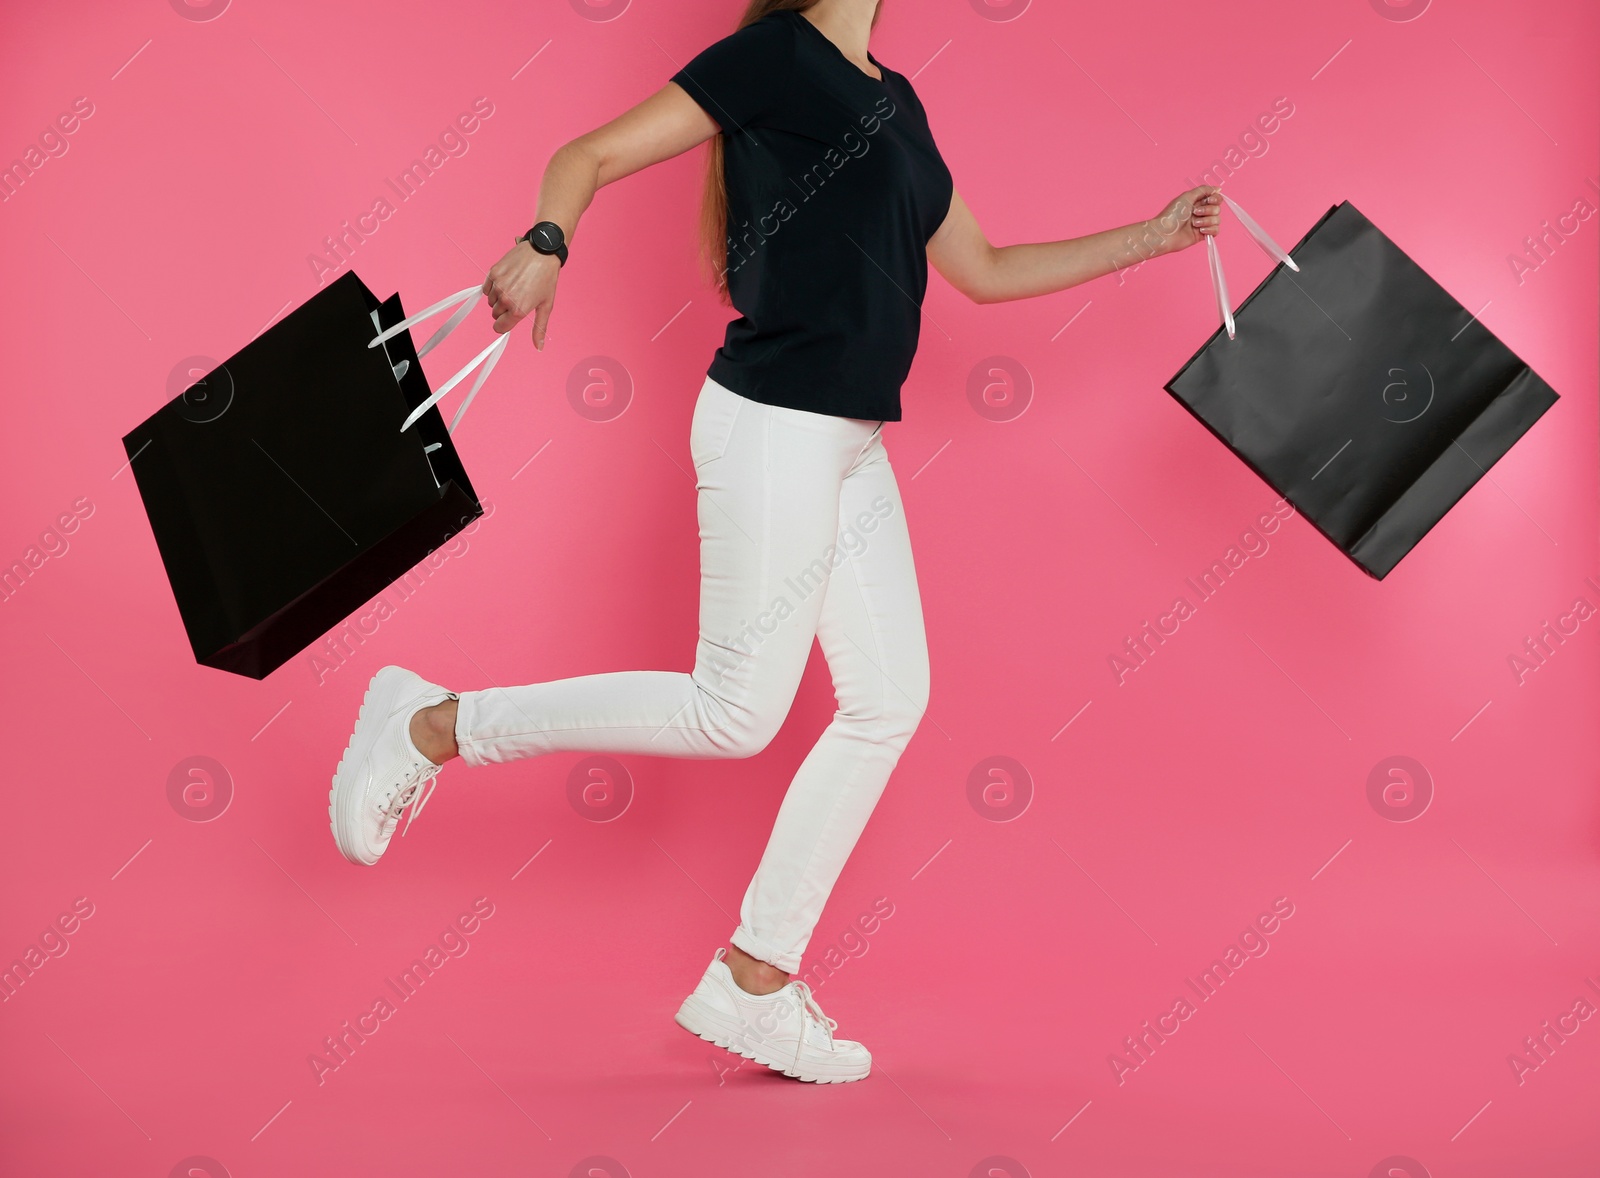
546	238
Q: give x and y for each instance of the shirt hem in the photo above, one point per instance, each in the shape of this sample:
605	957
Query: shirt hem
810	400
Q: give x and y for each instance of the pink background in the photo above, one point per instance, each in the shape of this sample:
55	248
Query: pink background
1228	772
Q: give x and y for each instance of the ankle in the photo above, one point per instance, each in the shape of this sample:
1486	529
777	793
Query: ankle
433	731
752	975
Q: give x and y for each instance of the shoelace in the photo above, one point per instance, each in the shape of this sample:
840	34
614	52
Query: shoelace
808	1006
412	793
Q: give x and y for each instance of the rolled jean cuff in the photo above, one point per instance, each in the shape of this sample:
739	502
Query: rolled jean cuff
465	714
761	950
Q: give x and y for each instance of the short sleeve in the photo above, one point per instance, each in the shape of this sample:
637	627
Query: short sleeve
742	78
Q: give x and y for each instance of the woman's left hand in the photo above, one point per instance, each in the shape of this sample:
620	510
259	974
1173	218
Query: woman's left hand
1191	216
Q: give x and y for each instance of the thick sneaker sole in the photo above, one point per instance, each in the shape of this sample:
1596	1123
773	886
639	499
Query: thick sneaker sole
698	1018
344	808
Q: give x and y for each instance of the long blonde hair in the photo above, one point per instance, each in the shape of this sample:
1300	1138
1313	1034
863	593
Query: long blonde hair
714	202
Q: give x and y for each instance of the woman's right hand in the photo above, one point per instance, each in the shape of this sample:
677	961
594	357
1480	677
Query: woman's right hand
666	124
520	284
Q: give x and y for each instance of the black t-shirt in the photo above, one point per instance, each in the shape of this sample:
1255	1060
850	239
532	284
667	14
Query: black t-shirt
834	188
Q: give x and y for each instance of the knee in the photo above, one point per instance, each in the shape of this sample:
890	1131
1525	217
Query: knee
747	734
901	717
897	714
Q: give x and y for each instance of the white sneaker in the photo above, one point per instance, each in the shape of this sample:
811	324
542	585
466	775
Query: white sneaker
381	772
785	1030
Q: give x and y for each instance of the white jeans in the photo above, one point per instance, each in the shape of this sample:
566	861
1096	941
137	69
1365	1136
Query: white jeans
802	533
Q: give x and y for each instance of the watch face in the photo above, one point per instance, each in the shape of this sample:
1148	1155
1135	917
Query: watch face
548	237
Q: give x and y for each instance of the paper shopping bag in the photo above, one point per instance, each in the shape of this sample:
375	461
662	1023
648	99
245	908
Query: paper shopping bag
1358	388
302	476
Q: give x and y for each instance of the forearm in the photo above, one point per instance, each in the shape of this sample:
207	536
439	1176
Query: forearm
666	124
1038	268
571	179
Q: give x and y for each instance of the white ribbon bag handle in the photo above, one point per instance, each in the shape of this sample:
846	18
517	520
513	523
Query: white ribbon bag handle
489	357
1219	282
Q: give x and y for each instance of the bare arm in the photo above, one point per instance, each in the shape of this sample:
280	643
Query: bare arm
666	124
994	274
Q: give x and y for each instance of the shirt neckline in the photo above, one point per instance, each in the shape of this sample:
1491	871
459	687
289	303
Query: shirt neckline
878	81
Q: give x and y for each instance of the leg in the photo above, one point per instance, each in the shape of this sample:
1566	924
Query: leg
871	631
769	481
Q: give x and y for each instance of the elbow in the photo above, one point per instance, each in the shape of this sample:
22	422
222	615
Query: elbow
970	286
977	276
983	293
986	283
581	154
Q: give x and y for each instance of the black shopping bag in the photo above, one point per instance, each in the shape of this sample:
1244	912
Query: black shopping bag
303	476
1358	388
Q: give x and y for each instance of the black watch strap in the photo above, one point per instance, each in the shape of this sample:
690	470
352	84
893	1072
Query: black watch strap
533	238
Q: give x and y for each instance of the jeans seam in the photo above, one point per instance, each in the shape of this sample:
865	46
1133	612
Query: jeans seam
592	728
839	796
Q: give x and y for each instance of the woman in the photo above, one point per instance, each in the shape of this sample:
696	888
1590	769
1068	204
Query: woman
825	200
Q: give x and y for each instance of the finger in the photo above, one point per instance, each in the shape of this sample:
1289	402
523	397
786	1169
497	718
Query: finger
541	317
